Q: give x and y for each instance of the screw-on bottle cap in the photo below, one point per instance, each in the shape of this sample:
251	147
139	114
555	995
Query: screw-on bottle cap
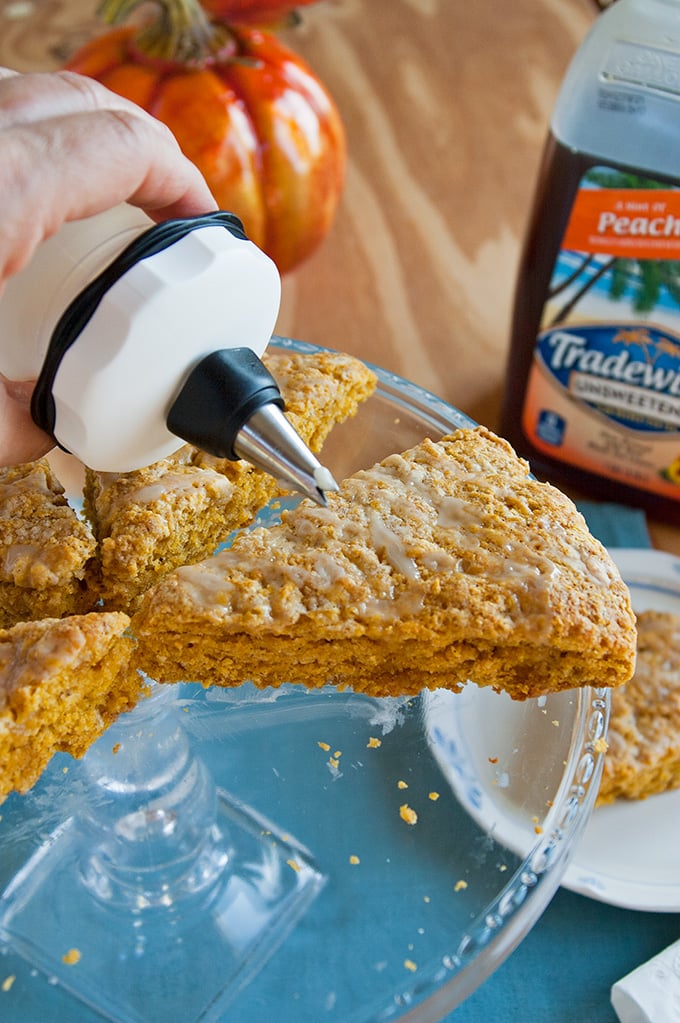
123	350
220	395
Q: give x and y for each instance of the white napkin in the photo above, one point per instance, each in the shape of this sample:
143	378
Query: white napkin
650	994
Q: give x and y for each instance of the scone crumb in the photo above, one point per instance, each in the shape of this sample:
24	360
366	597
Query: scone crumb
324	746
410	965
373	743
408	814
460	886
354	860
116	748
402	784
71	957
293	866
8	981
434	796
601	745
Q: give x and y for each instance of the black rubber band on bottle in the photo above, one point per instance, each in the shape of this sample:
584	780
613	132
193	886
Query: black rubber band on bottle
77	315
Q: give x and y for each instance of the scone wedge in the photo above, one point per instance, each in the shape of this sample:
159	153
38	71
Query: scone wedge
47	553
643	758
442	564
62	682
178	510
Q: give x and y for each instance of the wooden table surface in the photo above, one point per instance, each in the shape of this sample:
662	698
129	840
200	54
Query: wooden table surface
446	105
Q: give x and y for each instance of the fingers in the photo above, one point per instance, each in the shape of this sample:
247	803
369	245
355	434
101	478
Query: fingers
72	149
20	438
33	95
26	98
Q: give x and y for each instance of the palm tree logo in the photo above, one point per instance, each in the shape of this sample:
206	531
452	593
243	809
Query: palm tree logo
652	347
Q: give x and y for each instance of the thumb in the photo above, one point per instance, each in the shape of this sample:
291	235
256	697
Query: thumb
20	439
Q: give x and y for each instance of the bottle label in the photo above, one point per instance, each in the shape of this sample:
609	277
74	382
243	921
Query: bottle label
604	387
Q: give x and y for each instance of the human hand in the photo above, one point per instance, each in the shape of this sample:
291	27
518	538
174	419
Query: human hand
70	149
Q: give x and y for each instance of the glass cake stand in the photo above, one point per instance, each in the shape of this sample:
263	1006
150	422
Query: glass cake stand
305	855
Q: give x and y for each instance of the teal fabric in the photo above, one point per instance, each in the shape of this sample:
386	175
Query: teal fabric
615	525
563	971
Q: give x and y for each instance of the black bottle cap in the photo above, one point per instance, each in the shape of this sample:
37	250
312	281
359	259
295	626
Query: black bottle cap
220	395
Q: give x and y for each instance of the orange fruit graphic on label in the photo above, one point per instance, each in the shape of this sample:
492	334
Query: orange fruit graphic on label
672	473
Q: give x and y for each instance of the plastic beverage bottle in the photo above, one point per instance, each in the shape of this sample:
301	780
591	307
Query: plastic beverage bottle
593	378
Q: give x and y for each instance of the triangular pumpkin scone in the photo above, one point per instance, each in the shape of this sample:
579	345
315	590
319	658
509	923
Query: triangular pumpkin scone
177	511
62	682
439	565
643	758
47	554
149	521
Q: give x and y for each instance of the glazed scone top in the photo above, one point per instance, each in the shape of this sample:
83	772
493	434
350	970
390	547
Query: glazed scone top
157	485
43	542
430	529
33	651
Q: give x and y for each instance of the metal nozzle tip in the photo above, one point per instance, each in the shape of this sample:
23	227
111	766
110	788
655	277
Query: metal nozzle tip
269	441
324	479
323	483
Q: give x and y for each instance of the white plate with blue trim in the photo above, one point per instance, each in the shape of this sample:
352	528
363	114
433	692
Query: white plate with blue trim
629	854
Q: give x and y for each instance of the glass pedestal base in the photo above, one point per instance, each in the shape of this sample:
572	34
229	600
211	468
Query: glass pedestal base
163	901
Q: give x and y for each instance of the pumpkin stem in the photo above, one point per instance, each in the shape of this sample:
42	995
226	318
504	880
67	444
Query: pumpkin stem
181	32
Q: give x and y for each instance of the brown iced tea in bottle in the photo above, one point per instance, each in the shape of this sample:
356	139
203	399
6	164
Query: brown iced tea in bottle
592	394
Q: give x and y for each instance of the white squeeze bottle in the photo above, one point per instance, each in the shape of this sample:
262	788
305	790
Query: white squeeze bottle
142	336
592	394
